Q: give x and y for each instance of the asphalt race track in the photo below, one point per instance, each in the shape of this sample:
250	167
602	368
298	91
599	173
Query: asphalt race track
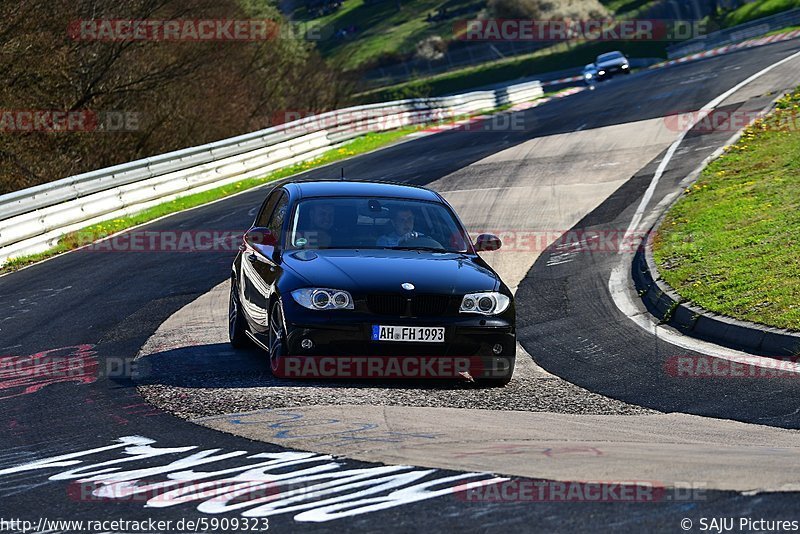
579	163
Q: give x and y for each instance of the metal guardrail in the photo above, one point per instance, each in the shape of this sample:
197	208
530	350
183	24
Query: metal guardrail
735	34
34	219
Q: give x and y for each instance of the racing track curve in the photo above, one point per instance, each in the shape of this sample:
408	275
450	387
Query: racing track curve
562	174
121	299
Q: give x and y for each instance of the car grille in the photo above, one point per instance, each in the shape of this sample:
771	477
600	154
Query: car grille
421	305
386	304
425	305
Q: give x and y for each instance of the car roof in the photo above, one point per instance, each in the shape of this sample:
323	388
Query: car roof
357	188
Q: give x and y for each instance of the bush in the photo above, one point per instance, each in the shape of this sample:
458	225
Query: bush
431	48
519	9
544	9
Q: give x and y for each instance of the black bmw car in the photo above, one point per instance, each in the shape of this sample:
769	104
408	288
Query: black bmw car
610	64
342	269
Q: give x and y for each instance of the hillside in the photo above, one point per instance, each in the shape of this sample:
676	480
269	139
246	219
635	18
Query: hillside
754	10
363	33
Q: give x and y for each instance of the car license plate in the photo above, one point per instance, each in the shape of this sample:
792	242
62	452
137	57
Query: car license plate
425	334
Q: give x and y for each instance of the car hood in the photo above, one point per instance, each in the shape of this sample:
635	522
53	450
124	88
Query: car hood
379	271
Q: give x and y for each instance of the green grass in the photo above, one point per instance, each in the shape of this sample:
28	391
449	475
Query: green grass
782	30
731	244
756	10
81	237
627	7
560	57
383	28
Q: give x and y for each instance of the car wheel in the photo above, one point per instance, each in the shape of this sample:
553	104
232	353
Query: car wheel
495	382
499	381
237	326
277	341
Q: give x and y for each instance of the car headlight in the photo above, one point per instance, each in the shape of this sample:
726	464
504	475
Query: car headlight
487	303
601	72
588	75
320	298
625	66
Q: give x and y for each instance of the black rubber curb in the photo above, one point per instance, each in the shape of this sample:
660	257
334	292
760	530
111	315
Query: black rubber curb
662	301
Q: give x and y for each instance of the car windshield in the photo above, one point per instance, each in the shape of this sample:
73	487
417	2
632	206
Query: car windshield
375	223
609	56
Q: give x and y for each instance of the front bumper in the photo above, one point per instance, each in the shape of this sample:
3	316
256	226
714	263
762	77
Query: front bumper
611	72
347	334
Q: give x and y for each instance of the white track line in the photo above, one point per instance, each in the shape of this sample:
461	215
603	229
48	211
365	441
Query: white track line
618	286
619	279
704	111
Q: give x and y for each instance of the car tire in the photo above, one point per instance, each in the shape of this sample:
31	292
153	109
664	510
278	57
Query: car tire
277	341
237	325
501	381
495	382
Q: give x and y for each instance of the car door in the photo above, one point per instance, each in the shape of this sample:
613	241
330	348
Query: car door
249	278
261	266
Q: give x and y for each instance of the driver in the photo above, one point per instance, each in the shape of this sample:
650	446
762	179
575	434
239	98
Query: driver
403	223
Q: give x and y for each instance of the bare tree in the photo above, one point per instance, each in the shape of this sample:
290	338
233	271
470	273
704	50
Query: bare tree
184	93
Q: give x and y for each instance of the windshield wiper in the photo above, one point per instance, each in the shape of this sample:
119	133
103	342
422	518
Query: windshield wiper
424	249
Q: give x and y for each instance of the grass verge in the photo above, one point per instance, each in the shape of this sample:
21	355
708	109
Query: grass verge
81	237
755	10
383	29
787	29
732	243
391	30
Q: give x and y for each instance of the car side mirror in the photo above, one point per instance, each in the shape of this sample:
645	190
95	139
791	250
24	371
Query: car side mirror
260	236
487	242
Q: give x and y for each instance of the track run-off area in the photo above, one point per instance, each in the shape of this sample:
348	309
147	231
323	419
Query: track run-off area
159	400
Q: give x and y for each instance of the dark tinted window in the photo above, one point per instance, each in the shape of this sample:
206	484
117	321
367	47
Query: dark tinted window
278	215
267	208
609	56
373	223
